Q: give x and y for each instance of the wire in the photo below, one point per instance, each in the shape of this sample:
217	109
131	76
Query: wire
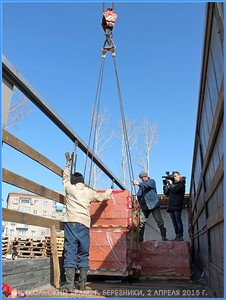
94	121
112	6
130	168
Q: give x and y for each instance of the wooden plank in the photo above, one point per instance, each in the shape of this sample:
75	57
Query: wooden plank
217	121
217	178
164	277
10	215
216	218
9	71
217	278
56	265
17	144
108	272
26	184
163	199
16	267
26	279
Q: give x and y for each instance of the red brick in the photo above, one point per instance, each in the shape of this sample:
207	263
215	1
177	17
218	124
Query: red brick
167	261
163	271
165	258
117	211
170	247
110	249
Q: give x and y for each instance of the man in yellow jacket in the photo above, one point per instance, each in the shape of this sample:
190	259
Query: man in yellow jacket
77	226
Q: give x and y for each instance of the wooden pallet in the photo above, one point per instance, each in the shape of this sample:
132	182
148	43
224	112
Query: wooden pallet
4	248
5	245
28	248
29	254
28	242
60	245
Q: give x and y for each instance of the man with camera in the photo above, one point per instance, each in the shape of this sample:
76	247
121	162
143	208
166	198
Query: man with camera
149	203
174	188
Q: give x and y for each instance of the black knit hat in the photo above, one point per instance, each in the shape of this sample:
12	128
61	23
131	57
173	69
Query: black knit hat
77	177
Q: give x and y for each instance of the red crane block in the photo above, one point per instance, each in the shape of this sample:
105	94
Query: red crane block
120	210
165	258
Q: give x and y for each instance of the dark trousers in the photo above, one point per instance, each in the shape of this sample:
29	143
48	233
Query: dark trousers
76	245
177	221
156	212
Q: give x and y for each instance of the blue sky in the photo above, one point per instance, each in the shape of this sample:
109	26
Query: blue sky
57	48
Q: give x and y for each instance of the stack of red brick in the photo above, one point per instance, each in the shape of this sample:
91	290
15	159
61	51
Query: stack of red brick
170	259
113	234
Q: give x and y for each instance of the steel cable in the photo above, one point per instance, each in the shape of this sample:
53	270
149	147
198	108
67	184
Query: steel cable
94	119
130	168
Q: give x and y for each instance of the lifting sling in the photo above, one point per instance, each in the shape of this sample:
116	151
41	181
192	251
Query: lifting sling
93	129
96	108
108	21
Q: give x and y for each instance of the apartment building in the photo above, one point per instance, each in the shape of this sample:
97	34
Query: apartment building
30	203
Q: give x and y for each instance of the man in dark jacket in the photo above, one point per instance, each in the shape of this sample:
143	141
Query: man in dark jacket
175	190
149	203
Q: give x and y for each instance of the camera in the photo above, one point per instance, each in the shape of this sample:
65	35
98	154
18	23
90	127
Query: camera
167	177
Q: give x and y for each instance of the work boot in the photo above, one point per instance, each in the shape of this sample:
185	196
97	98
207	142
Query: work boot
69	285
141	233
178	237
82	279
163	233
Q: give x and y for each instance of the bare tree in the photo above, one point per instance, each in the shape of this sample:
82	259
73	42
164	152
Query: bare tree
148	134
19	109
100	143
130	135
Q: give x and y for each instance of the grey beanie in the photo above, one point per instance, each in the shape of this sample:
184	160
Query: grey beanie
143	174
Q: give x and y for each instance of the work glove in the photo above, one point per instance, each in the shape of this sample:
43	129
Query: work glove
109	191
134	182
68	159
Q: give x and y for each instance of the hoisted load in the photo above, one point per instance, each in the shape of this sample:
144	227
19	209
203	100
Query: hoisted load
108	22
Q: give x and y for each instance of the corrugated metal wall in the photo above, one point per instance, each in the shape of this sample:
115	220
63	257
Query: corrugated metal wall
207	182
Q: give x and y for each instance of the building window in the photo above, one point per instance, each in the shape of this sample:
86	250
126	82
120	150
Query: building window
43	233
12	231
45	202
35	201
33	232
53	214
35	212
53	204
59	206
44	212
15	200
24	209
25	200
22	232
